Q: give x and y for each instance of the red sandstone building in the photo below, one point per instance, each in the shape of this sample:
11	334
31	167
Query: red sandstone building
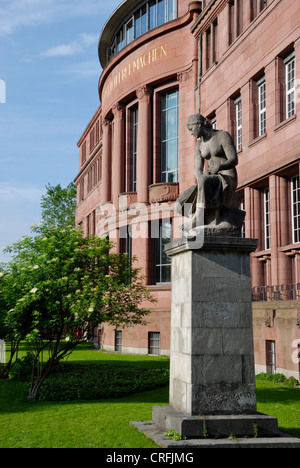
238	63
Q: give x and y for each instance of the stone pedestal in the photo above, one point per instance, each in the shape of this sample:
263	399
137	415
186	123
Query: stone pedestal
212	399
212	356
212	377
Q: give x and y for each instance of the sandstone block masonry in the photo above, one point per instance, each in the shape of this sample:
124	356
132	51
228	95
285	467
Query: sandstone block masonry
212	357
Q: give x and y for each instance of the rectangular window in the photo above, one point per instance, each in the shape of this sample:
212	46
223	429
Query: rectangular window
262	4
137	24
162	260
169	136
135	116
270	357
242	207
129	31
126	241
239	16
125	238
100	168
261	85
296	209
171	10
152	14
154	343
290	73
81	190
83	153
97	131
213	122
118	340
161	12
144	25
238	119
92	139
120	40
231	22
267	224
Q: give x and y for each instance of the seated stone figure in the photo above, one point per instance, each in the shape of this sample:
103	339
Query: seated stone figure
212	202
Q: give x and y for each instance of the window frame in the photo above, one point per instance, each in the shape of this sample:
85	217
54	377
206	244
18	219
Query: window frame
118	340
267	223
295	212
262	106
270	356
165	156
290	90
238	122
135	127
154	343
170	13
159	242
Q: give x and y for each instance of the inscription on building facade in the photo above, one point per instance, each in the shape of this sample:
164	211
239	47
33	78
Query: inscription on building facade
148	58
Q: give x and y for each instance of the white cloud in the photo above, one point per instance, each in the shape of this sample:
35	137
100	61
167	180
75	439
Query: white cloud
63	50
72	48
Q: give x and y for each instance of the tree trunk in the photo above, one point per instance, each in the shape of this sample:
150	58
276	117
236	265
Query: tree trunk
39	380
34	389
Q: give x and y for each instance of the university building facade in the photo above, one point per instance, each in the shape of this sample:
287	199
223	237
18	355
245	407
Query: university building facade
238	63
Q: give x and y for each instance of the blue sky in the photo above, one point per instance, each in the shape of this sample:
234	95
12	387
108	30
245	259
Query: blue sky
49	64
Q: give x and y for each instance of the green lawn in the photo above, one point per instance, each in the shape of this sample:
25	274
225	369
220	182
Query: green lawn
105	423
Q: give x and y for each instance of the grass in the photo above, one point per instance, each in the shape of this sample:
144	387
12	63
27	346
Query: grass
105	423
282	402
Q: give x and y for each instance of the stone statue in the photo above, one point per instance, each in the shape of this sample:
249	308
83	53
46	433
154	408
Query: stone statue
212	203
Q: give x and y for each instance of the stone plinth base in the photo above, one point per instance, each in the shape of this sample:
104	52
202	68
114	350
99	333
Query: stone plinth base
212	380
195	427
155	433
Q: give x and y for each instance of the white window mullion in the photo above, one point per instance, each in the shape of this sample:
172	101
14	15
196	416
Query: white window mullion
261	84
238	116
290	74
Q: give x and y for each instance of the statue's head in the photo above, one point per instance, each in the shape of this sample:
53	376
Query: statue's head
196	123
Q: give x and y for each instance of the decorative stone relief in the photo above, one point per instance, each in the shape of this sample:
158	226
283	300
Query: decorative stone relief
163	192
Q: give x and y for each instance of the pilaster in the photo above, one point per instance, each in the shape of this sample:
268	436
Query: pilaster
144	95
118	154
106	160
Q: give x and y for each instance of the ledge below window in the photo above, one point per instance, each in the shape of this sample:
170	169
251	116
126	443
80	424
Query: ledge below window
285	123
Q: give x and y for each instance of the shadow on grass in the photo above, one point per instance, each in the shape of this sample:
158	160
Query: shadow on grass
278	394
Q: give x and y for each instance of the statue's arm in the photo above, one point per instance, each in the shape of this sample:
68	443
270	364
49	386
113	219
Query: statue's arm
198	162
230	152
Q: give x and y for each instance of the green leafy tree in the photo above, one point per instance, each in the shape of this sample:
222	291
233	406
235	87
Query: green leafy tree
70	284
58	206
58	210
11	289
